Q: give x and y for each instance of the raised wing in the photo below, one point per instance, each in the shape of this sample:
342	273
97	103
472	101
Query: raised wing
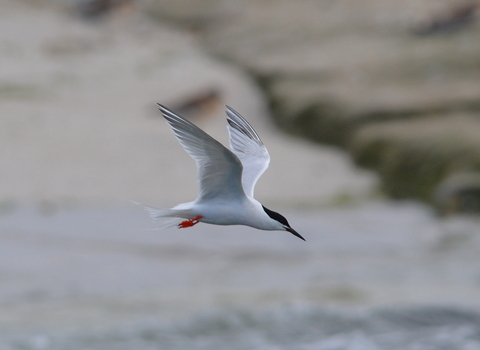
219	171
248	147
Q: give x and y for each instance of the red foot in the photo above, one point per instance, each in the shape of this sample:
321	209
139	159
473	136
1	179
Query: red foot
189	223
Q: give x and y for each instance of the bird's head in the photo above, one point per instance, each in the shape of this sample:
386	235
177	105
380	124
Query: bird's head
282	222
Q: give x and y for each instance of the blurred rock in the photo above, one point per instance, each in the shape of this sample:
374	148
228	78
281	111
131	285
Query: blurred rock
203	103
77	100
96	9
335	66
193	14
455	18
414	156
458	193
79	112
332	68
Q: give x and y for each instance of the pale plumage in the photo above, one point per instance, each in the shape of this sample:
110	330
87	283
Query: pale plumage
248	147
226	178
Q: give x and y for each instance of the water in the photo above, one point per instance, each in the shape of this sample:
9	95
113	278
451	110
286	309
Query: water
372	276
286	327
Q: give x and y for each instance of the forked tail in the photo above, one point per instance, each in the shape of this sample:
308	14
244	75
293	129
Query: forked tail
166	217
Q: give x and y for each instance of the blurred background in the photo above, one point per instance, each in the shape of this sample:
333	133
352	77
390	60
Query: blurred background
370	112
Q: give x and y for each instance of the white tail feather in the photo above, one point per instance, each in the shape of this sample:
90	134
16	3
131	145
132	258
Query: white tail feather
166	217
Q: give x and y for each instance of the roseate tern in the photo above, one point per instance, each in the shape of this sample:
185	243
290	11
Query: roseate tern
226	178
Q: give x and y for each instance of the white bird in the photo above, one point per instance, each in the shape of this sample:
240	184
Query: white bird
226	178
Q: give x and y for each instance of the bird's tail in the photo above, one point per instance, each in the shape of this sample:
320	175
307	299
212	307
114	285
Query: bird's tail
166	217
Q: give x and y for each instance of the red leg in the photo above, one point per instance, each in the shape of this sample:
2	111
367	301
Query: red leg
190	222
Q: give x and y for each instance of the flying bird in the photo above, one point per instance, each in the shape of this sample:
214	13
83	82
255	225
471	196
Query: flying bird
226	178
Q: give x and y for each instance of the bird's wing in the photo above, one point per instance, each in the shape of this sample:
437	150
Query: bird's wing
248	147
219	171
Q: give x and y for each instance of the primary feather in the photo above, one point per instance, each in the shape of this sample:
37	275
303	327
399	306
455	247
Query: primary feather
226	178
219	173
249	148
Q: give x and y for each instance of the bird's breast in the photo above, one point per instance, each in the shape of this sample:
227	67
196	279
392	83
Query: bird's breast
246	213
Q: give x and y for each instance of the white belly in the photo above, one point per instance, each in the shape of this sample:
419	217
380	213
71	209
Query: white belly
247	212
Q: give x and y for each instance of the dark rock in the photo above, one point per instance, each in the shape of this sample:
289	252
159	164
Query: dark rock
336	72
458	193
451	20
414	156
